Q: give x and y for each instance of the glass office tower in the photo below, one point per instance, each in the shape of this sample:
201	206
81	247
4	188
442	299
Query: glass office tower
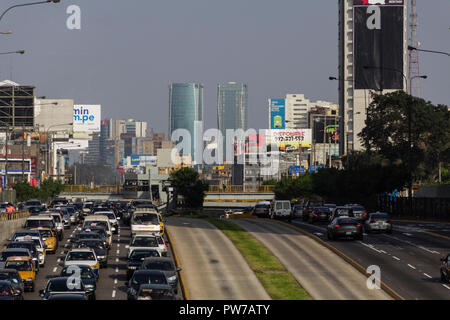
232	105
185	107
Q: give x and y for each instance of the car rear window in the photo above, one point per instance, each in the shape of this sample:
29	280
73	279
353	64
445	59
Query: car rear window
347	221
379	216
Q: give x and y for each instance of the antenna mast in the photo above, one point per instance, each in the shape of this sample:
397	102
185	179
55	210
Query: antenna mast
413	67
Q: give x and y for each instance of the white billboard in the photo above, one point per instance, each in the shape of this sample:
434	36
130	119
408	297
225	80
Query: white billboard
291	139
86	118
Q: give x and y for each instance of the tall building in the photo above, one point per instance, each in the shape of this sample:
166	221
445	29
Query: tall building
372	57
136	128
186	107
232	107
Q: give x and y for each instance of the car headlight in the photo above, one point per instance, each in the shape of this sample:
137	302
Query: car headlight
101	257
89	286
132	267
173	278
29	279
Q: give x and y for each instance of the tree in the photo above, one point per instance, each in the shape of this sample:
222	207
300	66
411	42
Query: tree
187	183
395	118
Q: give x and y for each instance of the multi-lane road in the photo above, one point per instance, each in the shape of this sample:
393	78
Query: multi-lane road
111	284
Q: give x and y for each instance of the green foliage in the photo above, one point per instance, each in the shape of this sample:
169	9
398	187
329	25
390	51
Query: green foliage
47	190
270	182
392	118
187	183
290	188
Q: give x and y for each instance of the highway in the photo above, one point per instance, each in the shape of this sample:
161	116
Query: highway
213	267
323	274
409	258
111	283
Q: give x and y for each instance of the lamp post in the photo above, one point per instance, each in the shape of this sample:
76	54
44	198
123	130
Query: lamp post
410	48
410	82
27	4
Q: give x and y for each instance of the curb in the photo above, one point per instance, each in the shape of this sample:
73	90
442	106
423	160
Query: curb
437	235
177	261
349	260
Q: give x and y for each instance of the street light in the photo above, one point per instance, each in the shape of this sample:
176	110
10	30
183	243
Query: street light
410	82
27	4
411	48
6	32
12	52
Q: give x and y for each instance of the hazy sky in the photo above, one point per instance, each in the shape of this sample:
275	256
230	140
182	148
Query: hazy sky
127	52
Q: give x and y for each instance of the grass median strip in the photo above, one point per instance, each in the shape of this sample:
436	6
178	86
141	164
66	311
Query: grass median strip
277	281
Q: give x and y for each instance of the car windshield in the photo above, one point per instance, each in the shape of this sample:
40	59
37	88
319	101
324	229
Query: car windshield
58	286
144	242
343	212
6	254
20	244
32	203
358	208
39	223
262	206
46	233
103	224
145	278
141	255
83	256
19	265
147	218
84	272
88	235
379	216
159	265
88	205
90	244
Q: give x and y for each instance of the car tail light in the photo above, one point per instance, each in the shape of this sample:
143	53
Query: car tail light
372	221
337	226
365	213
314	214
358	225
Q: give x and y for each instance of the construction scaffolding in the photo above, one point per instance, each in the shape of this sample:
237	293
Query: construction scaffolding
17	106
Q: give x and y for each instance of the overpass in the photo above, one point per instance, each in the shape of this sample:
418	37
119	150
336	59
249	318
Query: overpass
216	196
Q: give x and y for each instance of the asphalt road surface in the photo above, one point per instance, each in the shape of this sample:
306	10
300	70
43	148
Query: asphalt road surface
111	283
213	268
323	274
409	258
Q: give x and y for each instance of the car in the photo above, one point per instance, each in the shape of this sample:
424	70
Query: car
311	203
144	241
60	285
13	276
342	211
35	210
87	206
66	220
44	221
144	277
113	220
87	275
98	246
281	209
31	247
166	266
40	246
137	256
73	215
297	210
58	223
25	268
102	221
84	256
359	212
15	252
145	220
378	221
319	214
262	209
445	268
100	234
23	233
59	202
345	227
331	206
7	292
155	292
49	238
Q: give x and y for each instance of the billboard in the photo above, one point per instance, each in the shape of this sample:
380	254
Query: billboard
291	139
327	124
86	118
142	160
379	44
277	115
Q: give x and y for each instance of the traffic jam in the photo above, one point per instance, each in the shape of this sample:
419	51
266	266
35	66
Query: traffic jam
91	250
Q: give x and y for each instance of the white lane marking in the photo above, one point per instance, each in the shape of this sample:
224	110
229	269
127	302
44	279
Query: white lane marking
412	267
426	275
114	293
396	258
383	251
115	281
117	259
54	269
411	243
118	246
117	269
408	234
62	252
446	286
59	260
318	234
369	246
118	251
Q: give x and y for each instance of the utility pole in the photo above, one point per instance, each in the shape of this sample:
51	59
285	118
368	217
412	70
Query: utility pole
413	63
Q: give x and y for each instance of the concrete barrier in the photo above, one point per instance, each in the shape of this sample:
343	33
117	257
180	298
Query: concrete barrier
7	228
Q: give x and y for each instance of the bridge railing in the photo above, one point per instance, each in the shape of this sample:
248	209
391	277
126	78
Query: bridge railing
88	189
240	189
7	216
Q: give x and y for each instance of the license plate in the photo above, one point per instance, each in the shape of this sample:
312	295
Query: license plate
348	233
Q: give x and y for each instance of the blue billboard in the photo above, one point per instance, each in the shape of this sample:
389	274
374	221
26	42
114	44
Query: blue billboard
277	114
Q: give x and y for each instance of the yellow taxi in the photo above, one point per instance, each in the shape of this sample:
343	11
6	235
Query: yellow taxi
25	268
161	223
49	238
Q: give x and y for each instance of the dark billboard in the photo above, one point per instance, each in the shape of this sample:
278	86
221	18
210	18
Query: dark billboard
379	45
377	2
330	127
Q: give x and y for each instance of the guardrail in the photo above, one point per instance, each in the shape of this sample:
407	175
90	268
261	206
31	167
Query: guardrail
241	189
88	189
7	216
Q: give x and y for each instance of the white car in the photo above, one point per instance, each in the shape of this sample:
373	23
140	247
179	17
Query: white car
113	220
40	247
146	220
281	209
83	256
99	220
147	241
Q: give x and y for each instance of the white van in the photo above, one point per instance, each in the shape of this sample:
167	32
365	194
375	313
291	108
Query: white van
281	209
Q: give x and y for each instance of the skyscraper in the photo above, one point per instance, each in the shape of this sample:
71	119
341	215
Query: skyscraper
232	105
186	107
